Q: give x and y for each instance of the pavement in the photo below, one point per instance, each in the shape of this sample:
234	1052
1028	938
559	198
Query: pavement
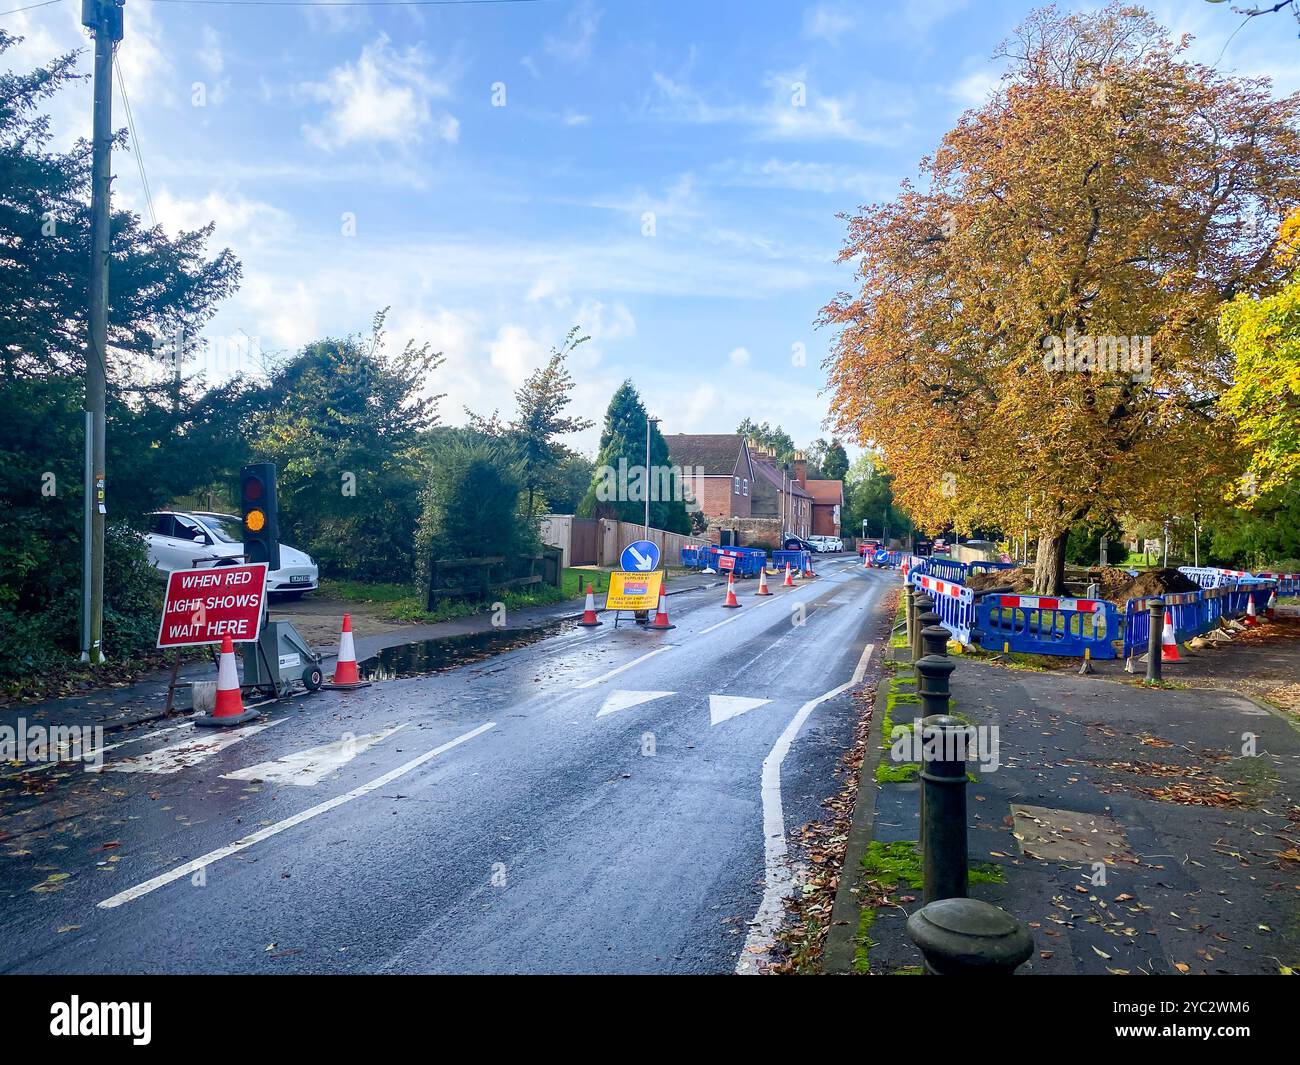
1133	830
596	800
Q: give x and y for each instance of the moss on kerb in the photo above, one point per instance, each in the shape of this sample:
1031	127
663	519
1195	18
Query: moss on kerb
886	866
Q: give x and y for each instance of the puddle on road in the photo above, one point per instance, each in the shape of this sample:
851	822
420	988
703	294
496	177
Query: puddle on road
451	652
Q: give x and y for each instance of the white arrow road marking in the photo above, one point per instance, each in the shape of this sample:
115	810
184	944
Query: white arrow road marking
182	755
725	707
189	868
778	876
313	765
621	700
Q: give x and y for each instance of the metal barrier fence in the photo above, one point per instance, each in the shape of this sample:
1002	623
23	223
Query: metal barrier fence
1048	625
1287	583
1195	613
799	560
946	569
954	603
977	567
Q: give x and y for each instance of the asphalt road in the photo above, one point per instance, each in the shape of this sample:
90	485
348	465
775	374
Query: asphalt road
599	801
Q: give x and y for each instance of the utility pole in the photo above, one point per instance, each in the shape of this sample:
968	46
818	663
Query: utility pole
649	421
104	18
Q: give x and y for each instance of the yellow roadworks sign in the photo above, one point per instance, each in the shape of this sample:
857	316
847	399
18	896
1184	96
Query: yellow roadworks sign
634	591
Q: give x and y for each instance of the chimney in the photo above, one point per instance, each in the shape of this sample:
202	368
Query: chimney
755	449
801	469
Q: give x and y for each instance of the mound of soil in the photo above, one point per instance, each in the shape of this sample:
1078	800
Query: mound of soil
1156	582
1019	580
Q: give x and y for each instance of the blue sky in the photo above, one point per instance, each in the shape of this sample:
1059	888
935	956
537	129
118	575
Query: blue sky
666	175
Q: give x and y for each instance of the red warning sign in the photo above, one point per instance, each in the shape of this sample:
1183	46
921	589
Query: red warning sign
204	605
726	562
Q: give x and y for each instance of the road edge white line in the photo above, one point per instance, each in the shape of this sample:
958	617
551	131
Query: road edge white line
130	894
778	877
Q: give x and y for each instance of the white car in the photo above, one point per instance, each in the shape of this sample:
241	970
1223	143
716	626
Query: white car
826	544
182	539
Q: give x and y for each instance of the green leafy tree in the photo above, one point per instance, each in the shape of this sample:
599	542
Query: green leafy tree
344	425
540	421
772	438
471	504
162	441
623	449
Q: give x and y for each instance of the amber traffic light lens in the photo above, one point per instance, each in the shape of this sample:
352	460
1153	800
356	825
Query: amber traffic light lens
255	520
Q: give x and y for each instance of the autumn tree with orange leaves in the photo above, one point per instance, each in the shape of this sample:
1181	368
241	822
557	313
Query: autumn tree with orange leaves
1100	206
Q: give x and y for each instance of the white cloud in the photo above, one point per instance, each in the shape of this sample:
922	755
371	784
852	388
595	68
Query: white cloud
795	109
515	353
210	53
239	220
827	22
574	43
738	357
386	96
804	176
975	88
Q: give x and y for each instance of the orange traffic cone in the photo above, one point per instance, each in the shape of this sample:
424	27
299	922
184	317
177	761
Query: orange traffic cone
661	617
866	560
589	611
789	580
345	666
1169	642
763	589
731	592
807	568
230	707
1251	619
1270	611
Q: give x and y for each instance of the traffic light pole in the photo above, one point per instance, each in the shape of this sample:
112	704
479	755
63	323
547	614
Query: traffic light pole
104	17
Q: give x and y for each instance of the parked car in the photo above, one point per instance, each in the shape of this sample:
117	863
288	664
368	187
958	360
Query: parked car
869	544
796	543
826	544
176	539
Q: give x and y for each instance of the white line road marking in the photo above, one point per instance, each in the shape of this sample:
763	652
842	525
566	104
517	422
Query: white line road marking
621	700
626	665
280	826
95	752
185	754
778	877
308	768
719	625
725	707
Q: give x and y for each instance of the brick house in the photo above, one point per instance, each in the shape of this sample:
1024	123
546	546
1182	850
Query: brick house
724	476
827	504
779	493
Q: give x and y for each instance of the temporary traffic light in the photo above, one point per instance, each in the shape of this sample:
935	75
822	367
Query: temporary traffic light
257	507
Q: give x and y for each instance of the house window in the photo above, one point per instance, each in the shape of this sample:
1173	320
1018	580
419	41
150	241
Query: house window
736	486
745	486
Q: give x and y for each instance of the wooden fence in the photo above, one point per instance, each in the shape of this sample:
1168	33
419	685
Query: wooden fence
480	578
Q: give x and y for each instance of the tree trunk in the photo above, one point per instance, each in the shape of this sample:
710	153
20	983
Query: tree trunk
1049	568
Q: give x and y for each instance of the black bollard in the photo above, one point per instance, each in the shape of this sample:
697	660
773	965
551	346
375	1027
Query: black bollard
932	686
934	637
923	605
967	937
1156	619
909	594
